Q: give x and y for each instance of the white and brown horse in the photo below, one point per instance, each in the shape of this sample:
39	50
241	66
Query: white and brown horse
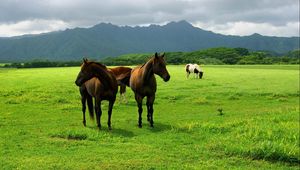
143	83
193	68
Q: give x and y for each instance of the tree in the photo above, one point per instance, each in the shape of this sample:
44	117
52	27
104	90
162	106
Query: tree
242	51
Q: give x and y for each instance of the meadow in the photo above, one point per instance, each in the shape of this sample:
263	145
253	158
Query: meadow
236	117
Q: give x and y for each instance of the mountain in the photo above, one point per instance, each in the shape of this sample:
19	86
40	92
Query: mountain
105	40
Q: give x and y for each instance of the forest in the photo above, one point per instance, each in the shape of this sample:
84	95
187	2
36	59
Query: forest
211	56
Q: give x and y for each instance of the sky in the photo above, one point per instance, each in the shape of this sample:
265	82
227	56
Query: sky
230	17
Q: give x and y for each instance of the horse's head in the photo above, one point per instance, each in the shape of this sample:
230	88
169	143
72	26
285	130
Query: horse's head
159	67
85	73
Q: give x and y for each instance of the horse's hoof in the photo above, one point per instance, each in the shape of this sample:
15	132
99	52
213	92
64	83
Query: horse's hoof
109	128
84	124
151	123
140	126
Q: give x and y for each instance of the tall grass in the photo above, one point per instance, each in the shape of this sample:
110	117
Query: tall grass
41	122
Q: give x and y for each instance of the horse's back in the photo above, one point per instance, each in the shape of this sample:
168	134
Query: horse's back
122	74
120	70
198	67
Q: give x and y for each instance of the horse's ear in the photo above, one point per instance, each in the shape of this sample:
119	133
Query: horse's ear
163	55
156	55
85	60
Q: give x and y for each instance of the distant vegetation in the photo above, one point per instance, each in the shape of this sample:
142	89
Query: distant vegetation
211	56
40	64
220	55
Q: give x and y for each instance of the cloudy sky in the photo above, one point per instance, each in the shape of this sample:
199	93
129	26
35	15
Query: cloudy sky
234	17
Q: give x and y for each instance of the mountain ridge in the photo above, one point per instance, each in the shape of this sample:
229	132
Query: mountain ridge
105	39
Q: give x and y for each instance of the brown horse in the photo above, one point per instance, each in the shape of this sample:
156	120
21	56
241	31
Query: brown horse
95	80
122	75
143	83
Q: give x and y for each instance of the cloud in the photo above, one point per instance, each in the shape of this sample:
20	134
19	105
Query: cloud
248	28
280	16
32	27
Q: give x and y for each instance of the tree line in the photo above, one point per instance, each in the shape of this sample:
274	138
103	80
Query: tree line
220	55
45	63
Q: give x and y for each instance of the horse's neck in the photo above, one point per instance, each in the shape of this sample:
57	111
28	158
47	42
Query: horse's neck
103	76
148	70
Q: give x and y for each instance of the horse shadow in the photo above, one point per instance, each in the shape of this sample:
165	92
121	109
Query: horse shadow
159	127
122	133
114	131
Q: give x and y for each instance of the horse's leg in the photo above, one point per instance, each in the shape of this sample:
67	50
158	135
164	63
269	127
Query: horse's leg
122	91
201	74
110	107
139	100
98	111
187	74
150	101
90	106
83	102
83	94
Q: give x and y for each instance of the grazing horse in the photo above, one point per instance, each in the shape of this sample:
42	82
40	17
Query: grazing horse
95	80
143	83
193	68
122	75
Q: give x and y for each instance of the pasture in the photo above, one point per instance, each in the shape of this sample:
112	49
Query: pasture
236	117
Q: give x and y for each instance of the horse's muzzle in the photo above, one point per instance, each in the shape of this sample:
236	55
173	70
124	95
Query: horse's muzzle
167	78
77	83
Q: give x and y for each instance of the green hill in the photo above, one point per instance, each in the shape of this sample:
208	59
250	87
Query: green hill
104	40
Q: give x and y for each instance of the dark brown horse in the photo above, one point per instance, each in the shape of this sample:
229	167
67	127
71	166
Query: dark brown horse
95	80
143	83
122	75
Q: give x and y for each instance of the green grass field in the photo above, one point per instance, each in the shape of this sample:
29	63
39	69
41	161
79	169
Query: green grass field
41	122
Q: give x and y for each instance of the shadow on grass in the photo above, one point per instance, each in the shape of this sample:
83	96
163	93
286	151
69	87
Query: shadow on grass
122	132
158	127
114	131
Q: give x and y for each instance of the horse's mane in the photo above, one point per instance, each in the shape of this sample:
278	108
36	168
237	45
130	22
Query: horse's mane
151	58
102	74
99	64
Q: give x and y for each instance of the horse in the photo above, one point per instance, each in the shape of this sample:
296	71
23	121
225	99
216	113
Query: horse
143	83
96	81
193	68
122	75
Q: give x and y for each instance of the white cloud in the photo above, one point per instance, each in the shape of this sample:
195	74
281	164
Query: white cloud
238	17
248	28
32	27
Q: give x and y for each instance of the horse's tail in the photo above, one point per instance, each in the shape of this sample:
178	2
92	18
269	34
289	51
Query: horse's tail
187	68
90	106
125	78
